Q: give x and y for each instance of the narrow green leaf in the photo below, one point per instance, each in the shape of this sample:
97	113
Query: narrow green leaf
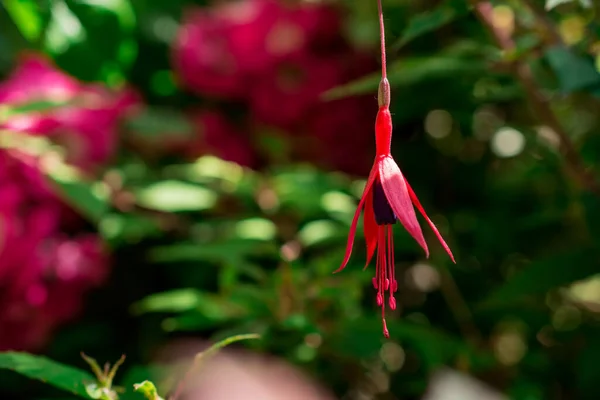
48	371
81	196
160	124
26	17
39	106
409	71
171	196
550	4
433	19
231	250
204	308
543	275
178	300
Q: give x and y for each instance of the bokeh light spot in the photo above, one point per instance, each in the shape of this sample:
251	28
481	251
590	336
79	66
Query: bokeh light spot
438	124
507	142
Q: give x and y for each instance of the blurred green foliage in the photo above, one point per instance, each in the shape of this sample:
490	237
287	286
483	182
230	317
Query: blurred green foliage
216	250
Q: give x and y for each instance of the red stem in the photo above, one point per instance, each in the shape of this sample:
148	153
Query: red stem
382	40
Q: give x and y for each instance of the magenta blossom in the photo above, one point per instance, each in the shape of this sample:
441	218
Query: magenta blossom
82	117
331	123
220	50
44	274
219	137
293	88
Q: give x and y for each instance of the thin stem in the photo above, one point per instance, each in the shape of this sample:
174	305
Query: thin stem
459	308
382	40
538	101
202	356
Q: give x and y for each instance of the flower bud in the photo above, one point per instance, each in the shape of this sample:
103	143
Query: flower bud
383	94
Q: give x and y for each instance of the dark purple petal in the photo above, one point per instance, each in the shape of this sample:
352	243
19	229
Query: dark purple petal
384	215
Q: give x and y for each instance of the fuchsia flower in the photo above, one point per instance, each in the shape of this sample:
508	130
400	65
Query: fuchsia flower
387	198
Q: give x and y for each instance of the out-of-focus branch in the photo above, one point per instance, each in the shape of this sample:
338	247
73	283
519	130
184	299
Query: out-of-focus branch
538	101
552	35
459	308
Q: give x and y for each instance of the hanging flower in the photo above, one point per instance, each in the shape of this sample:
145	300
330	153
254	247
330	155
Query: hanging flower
387	198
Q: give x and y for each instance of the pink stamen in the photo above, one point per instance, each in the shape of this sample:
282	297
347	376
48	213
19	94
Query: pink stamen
385	273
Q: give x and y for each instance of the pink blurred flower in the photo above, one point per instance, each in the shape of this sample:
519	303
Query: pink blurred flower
278	59
44	273
293	89
35	79
220	138
221	50
337	127
83	117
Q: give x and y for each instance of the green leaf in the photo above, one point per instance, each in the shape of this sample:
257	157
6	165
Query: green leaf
148	389
48	371
80	195
543	275
550	4
38	106
156	123
121	229
409	71
574	72
205	308
92	39
433	19
171	196
178	300
26	16
231	250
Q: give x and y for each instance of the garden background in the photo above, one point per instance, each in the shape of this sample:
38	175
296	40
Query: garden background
178	172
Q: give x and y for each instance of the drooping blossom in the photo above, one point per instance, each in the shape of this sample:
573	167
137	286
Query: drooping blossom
42	100
47	263
386	199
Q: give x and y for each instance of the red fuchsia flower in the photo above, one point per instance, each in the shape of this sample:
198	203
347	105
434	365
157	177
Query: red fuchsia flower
386	199
84	118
